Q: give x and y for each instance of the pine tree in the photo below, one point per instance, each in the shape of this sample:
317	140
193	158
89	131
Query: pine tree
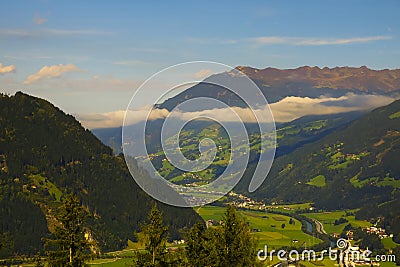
154	238
70	247
196	249
230	244
238	243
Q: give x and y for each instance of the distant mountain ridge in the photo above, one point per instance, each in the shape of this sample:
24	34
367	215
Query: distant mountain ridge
361	79
276	84
313	82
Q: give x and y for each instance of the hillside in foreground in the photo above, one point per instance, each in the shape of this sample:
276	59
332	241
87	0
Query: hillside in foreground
45	154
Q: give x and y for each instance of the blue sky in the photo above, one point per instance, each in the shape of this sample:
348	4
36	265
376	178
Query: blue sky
98	52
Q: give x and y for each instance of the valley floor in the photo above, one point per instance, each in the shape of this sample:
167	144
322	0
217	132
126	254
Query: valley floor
273	227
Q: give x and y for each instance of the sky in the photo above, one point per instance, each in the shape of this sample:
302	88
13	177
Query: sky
88	57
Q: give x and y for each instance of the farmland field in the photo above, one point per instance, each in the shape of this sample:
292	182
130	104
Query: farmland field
111	262
270	232
267	227
290	208
328	220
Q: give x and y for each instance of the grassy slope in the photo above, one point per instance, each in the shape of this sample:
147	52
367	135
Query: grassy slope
318	181
358	163
271	233
328	219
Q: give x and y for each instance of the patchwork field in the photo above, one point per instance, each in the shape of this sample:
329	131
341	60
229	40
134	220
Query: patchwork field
271	229
289	208
117	262
328	220
268	229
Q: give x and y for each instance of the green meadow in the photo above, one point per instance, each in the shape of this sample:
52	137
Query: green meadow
318	181
117	262
290	208
328	220
267	227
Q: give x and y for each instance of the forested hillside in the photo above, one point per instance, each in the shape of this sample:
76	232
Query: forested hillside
44	154
354	167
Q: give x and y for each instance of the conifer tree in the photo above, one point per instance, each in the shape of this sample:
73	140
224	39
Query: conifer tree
196	249
154	238
230	244
70	247
238	243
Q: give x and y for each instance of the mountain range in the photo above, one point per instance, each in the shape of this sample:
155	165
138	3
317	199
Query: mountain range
361	79
337	161
313	82
345	160
277	84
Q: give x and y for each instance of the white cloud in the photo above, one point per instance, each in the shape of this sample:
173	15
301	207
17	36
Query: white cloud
271	40
287	109
101	120
115	118
225	114
293	40
294	107
6	69
48	72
